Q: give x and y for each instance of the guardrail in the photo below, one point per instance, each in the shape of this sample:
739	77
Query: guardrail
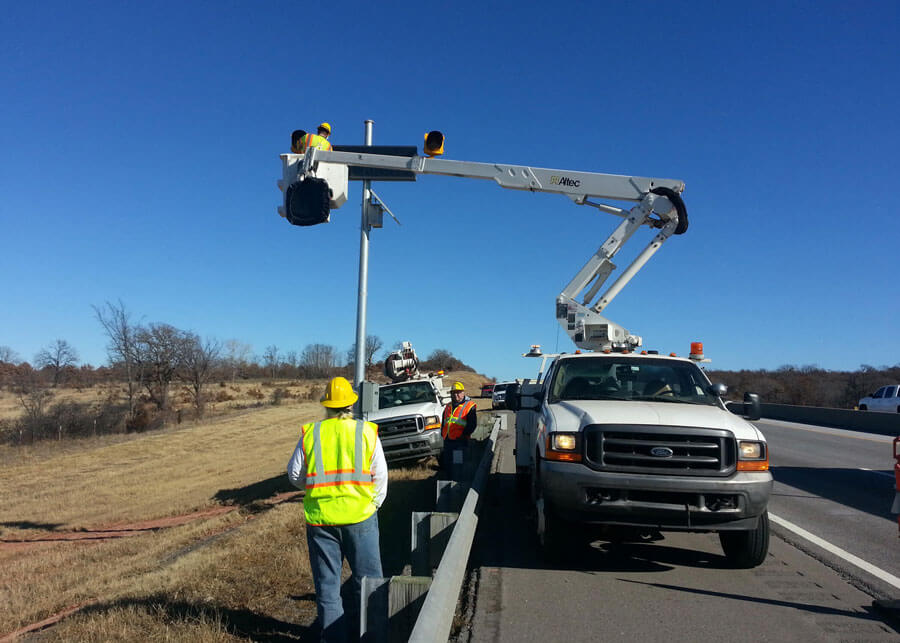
436	617
868	421
420	607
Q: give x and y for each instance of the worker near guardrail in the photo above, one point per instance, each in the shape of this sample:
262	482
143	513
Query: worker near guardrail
341	464
457	426
318	140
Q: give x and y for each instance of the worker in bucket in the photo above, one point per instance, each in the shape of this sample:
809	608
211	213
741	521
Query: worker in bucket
341	464
297	136
318	140
457	426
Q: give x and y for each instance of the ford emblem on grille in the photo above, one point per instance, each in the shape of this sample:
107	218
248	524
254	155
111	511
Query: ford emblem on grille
661	452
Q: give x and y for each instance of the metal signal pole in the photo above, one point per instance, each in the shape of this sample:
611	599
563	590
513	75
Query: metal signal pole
360	366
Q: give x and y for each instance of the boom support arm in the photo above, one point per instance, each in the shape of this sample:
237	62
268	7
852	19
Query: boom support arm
658	205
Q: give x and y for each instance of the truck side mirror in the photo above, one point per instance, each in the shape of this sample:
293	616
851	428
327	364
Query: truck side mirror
533	401
513	401
752	408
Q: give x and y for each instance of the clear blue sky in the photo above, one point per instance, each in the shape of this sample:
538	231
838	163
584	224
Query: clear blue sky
139	149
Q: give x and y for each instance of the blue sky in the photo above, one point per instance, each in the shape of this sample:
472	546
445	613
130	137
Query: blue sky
140	147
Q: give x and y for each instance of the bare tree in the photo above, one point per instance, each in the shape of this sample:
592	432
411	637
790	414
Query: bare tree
373	345
237	354
57	357
442	359
159	350
9	356
122	346
318	360
33	397
271	359
291	360
196	363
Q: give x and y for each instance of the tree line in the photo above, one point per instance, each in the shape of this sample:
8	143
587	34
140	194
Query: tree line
149	360
808	385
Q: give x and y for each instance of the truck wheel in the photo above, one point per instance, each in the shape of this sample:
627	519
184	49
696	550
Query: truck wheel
863	407
554	534
746	549
523	481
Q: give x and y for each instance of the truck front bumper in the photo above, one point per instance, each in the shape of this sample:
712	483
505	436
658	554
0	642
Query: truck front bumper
692	503
412	446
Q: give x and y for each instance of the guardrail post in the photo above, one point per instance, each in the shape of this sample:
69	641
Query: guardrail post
450	495
389	607
430	535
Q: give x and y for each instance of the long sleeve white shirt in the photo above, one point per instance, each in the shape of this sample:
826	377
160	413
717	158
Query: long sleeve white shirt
296	470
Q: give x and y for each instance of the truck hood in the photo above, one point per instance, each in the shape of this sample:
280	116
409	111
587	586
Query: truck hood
422	408
584	412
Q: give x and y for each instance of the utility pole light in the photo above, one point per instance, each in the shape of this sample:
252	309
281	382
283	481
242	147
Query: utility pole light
364	228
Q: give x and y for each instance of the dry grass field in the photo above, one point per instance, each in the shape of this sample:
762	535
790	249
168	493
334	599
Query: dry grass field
239	572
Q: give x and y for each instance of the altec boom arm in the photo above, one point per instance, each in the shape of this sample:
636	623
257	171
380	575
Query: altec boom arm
658	205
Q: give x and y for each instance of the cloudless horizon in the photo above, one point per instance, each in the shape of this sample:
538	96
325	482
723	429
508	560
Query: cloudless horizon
140	153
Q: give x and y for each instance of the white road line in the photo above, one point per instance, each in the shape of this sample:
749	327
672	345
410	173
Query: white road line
881	473
879	573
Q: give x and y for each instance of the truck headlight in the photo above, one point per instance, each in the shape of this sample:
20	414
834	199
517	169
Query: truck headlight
752	456
432	422
564	447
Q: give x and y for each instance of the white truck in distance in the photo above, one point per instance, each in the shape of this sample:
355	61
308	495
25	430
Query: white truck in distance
409	409
625	446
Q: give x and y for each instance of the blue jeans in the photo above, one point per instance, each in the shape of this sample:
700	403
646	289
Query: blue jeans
328	546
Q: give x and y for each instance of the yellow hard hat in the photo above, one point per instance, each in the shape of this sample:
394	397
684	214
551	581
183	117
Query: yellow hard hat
325	126
339	394
458	386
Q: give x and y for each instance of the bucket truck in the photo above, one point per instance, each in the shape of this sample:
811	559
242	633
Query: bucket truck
610	442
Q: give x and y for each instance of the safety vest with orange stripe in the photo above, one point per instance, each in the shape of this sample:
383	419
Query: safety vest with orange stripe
313	140
339	486
454	422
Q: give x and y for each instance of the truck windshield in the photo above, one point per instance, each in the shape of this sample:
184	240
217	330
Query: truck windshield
406	393
624	378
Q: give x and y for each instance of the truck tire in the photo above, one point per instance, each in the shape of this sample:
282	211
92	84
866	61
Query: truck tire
746	549
555	536
523	481
863	407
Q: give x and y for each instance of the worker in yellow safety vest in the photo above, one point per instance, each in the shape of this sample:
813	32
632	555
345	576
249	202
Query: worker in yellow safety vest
457	425
319	140
341	464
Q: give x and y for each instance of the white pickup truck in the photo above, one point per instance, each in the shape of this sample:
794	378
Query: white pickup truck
635	444
886	399
409	418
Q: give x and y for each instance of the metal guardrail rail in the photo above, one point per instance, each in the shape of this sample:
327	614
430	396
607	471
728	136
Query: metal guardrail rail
868	421
436	617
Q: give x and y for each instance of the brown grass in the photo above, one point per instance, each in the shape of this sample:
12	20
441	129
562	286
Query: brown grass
240	575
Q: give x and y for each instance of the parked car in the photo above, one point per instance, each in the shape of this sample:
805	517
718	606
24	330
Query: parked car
487	390
498	397
886	399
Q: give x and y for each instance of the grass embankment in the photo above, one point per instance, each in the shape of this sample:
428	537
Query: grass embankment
238	575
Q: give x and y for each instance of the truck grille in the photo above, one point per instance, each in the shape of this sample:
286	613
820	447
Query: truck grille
408	425
683	451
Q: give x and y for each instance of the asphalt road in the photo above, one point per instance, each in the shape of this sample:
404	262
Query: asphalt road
838	485
680	588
